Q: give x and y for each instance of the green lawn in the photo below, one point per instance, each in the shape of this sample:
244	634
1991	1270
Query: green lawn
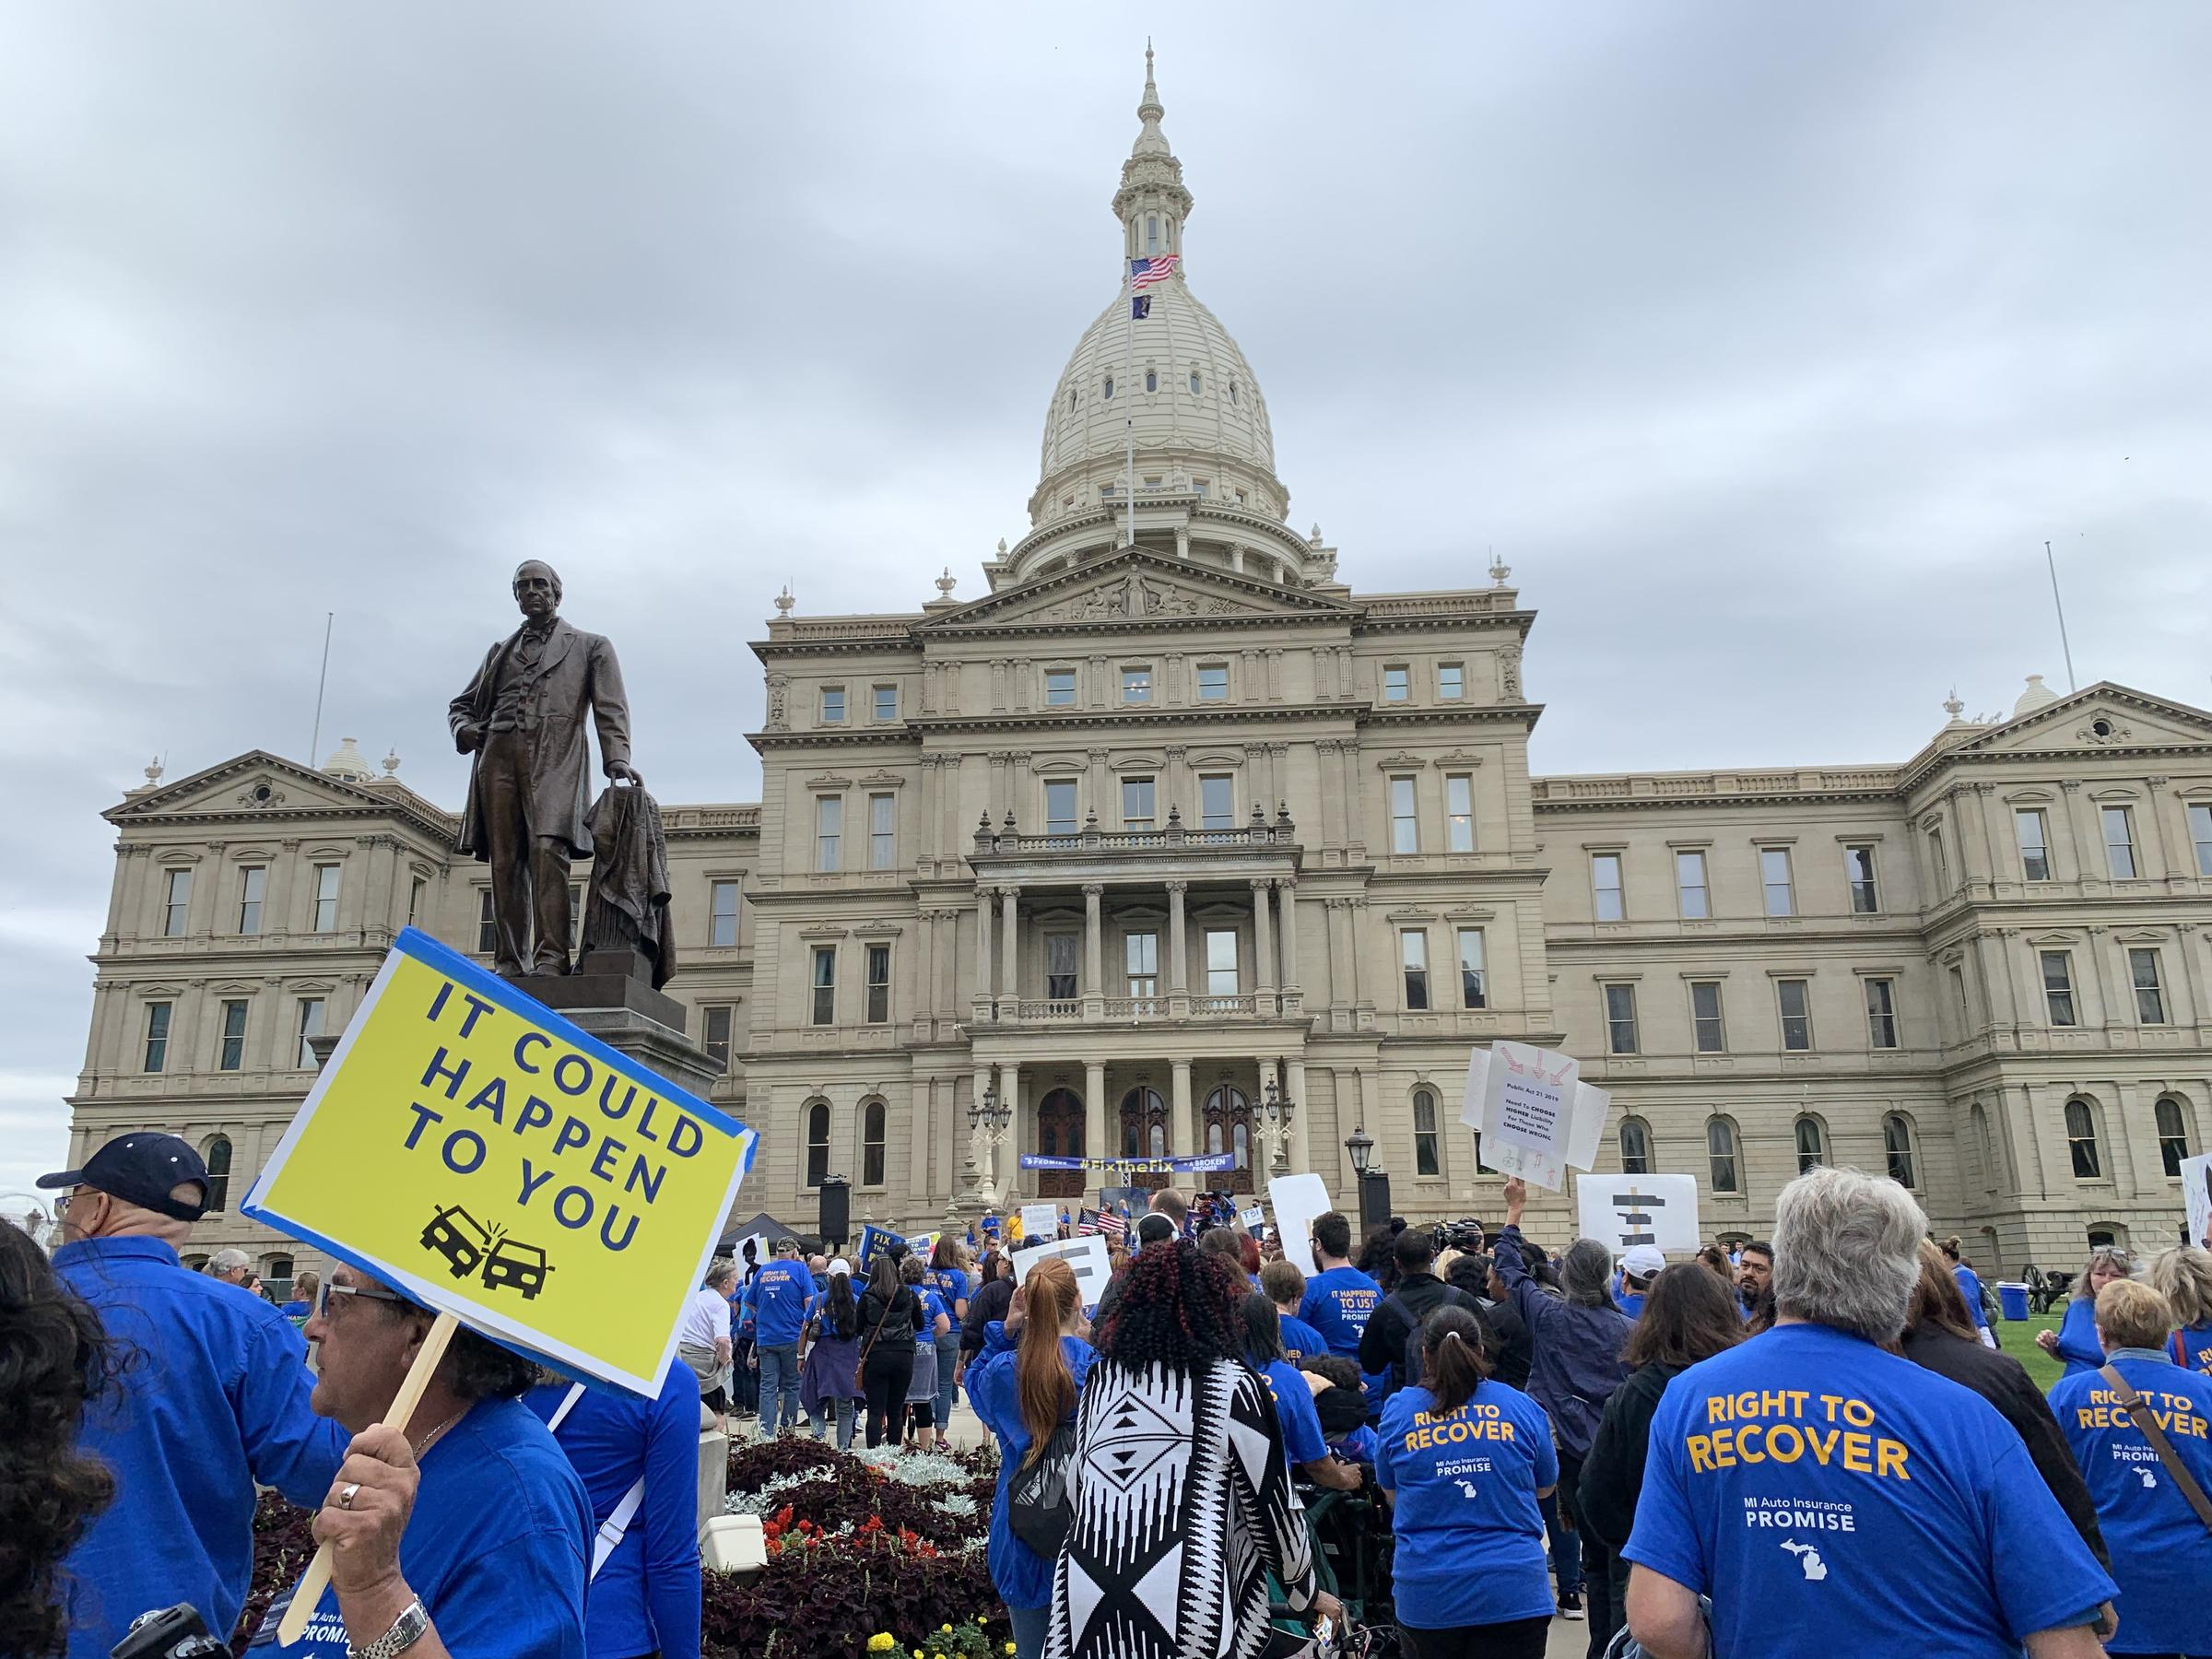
2018	1340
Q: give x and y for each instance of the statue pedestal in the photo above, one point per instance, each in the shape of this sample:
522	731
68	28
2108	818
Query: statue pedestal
629	1016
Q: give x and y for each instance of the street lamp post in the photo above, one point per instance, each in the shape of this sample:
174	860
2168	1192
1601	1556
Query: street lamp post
1276	1112
1373	1182
989	1118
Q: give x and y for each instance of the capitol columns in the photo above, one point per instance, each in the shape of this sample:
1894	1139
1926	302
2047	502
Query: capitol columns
1010	986
1263	945
1179	994
1094	955
1286	891
1095	1141
1183	1127
982	954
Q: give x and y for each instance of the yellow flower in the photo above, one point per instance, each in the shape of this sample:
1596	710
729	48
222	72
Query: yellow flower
946	1629
1010	1647
883	1641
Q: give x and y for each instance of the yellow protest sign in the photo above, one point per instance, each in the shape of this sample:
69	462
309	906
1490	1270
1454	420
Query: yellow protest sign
470	1147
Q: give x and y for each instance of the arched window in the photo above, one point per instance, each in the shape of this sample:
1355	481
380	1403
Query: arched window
1151	234
215	1153
1812	1145
1897	1146
1110	387
1232	390
1144	1124
1151	380
818	1143
277	1267
1635	1146
1427	1159
1228	1120
1719	1151
1060	1134
871	1144
1071	397
1985	1148
2081	1141
1194	382
2174	1134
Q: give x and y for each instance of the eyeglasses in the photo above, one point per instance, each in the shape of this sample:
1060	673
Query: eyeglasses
325	1292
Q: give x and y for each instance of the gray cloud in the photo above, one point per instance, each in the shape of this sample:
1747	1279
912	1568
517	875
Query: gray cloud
1767	348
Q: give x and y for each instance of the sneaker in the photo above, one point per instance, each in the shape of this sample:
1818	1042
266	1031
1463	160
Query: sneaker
1571	1604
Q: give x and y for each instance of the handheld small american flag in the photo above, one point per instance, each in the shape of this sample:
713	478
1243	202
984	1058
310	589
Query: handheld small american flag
1151	273
1107	1223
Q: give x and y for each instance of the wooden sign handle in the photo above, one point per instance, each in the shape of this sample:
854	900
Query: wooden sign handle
317	1578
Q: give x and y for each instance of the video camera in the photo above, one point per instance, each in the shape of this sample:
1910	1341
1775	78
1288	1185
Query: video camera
175	1632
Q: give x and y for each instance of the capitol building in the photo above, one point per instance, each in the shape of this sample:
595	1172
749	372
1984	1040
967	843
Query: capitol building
1175	842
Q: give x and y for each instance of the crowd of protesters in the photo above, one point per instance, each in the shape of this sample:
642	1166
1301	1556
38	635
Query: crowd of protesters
1810	1445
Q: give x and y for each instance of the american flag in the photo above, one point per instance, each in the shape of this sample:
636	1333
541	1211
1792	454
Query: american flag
1151	273
1105	1222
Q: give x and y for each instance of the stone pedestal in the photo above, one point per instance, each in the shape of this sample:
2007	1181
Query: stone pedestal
601	984
658	1046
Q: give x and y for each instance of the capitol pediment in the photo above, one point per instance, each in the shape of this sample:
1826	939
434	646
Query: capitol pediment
1133	588
2102	716
259	785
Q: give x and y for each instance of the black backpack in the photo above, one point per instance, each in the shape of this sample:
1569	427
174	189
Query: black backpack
1408	1366
1041	1504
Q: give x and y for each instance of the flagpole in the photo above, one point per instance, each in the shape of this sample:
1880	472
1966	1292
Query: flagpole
1129	391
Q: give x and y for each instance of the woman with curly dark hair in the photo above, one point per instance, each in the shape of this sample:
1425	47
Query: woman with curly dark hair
1178	1447
54	1361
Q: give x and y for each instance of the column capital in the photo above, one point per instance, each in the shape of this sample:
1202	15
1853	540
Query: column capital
1285	883
1260	884
2147	783
1093	889
2069	785
1176	886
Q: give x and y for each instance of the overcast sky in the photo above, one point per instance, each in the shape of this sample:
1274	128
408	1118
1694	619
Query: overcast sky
1767	343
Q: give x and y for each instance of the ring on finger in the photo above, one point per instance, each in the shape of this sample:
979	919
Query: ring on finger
347	1494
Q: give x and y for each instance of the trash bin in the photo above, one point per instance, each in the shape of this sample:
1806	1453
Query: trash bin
2013	1299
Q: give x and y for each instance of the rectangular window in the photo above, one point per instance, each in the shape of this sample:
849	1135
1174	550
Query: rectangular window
252	882
1620	1020
157	1035
721	913
2033	831
883	832
1413	952
1221	963
2150	996
1059	687
1140	956
1451	682
2200	832
887	702
311	1025
1858	870
1405	825
1881	1013
415	900
2120	842
231	1056
1217	803
1796	999
1060	806
824	1011
1213	682
488	929
828	831
1397	684
715	1027
1138	804
1961	1001
1136	685
1605	882
1060	966
1691	894
1938	864
879	985
1459	812
176	910
1775	875
2058	987
833	705
1706	1030
326	898
1474	992
1427	1159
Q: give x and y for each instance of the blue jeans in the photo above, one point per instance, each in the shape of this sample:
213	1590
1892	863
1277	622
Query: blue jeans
822	1411
1030	1625
948	1359
779	1386
745	1385
1566	1547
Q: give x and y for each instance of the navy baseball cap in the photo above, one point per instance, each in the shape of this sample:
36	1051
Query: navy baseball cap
1155	1228
141	1169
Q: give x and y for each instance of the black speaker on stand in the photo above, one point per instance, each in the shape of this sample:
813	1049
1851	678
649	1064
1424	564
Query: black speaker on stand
837	1211
1374	1199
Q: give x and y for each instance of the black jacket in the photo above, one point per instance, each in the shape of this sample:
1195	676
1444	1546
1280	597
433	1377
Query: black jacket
1613	1473
1510	1348
2005	1384
989	1303
1382	1343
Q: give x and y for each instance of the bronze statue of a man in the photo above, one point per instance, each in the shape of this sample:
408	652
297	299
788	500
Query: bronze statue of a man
523	716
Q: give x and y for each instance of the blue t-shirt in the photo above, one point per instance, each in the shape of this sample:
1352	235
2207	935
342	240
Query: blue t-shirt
1470	1537
741	1311
2193	1347
1359	1446
951	1283
297	1309
933	1305
1302	1441
1300	1340
1338	1303
215	1398
779	1296
2078	1344
1022	1577
1631	1302
2161	1553
1833	1498
1969	1287
497	1548
646	1599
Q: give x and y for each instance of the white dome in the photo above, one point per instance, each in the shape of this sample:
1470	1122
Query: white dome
1226	415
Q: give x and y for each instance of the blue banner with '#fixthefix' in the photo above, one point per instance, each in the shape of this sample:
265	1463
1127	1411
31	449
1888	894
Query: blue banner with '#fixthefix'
1206	1163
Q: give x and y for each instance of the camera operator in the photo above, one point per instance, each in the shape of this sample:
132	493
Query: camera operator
213	1399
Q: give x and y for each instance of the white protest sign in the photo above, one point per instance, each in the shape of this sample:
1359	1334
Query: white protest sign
1624	1210
1253	1218
1297	1200
1540	1138
1087	1255
1040	1222
2196	1193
